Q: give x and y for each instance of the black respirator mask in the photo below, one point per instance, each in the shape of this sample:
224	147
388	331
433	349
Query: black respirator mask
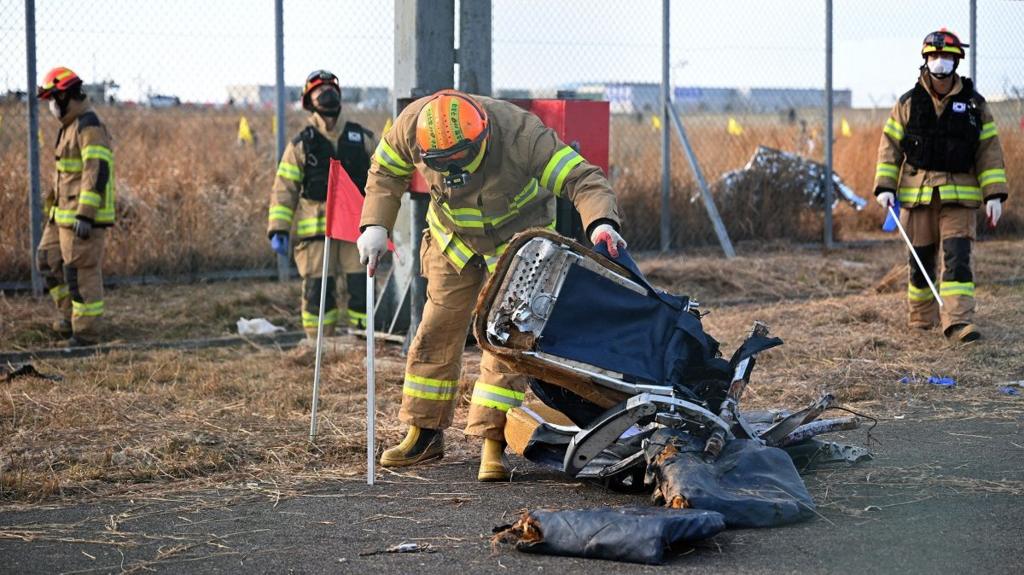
328	103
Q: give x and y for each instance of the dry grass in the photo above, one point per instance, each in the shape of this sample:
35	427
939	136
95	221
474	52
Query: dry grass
191	199
145	423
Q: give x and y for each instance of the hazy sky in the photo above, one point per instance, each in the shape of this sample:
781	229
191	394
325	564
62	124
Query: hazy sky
194	48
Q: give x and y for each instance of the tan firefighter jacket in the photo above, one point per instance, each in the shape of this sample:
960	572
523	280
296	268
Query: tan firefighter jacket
84	180
987	180
524	169
288	207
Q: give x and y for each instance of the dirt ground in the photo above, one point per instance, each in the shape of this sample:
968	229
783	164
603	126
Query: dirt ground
145	443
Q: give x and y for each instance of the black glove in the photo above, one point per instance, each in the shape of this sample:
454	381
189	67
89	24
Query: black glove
83	228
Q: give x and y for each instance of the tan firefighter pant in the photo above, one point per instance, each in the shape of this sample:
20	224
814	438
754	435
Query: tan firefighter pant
346	285
82	263
51	267
946	230
435	356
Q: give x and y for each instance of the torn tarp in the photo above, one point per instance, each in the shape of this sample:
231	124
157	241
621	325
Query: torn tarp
752	485
634	534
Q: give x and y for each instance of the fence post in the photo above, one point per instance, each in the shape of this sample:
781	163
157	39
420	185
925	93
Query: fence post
829	243
974	42
34	205
283	262
666	142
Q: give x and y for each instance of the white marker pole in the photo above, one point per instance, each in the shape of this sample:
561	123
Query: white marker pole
319	340
371	383
913	252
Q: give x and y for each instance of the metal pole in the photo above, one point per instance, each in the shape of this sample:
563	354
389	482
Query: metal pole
910	245
371	377
34	205
279	104
705	192
666	142
474	55
828	126
974	42
319	339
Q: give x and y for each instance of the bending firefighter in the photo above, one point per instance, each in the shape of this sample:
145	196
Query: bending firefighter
940	157
494	170
299	201
79	208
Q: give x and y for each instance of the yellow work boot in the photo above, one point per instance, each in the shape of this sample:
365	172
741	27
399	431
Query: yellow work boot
492	462
419	446
963	332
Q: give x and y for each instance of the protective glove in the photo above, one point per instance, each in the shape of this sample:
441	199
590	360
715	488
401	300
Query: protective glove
372	244
993	210
885	199
279	243
606	234
82	228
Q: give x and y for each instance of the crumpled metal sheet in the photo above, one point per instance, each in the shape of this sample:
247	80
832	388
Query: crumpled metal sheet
785	168
750	484
633	534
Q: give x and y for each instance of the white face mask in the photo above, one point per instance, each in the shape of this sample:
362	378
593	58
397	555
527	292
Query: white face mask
940	67
55	109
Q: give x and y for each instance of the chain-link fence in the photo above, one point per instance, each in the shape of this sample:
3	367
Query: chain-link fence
176	81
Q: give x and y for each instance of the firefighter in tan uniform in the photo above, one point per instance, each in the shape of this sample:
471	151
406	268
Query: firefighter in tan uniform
298	200
79	209
494	170
940	156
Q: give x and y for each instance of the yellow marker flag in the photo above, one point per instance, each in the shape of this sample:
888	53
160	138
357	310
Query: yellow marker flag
844	128
734	127
273	124
387	127
41	143
656	122
244	133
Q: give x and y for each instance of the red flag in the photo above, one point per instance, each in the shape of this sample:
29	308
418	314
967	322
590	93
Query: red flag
344	206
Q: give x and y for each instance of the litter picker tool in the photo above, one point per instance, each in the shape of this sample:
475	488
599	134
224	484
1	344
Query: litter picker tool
371	377
913	252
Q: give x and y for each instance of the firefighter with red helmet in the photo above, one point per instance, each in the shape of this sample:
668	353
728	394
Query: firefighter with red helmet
80	208
940	157
298	205
494	170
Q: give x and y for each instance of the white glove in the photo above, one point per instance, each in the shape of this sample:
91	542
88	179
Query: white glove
607	235
886	199
372	244
993	209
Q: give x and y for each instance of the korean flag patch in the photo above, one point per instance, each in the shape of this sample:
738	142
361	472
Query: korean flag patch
959	106
354	136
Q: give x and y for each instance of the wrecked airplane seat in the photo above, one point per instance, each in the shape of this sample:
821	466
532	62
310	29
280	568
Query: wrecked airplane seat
750	484
775	167
633	534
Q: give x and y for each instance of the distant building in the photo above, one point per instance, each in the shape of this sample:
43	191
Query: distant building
102	92
162	101
264	96
634	98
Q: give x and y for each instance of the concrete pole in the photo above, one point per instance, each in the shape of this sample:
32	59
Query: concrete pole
283	262
829	243
974	42
424	64
474	55
666	140
34	205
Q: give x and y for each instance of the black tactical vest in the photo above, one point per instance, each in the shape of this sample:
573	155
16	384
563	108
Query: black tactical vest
945	143
319	152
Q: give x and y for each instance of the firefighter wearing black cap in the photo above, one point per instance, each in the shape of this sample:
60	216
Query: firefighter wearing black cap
940	156
79	208
298	203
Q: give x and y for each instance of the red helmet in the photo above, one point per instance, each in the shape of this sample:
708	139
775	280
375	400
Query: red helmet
317	78
59	79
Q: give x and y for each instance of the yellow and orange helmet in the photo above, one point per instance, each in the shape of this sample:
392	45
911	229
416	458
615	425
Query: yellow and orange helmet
943	41
59	79
451	130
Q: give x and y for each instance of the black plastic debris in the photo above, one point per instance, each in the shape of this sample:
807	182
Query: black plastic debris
12	372
633	534
750	484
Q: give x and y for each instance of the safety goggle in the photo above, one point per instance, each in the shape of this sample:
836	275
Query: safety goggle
320	77
454	159
941	40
